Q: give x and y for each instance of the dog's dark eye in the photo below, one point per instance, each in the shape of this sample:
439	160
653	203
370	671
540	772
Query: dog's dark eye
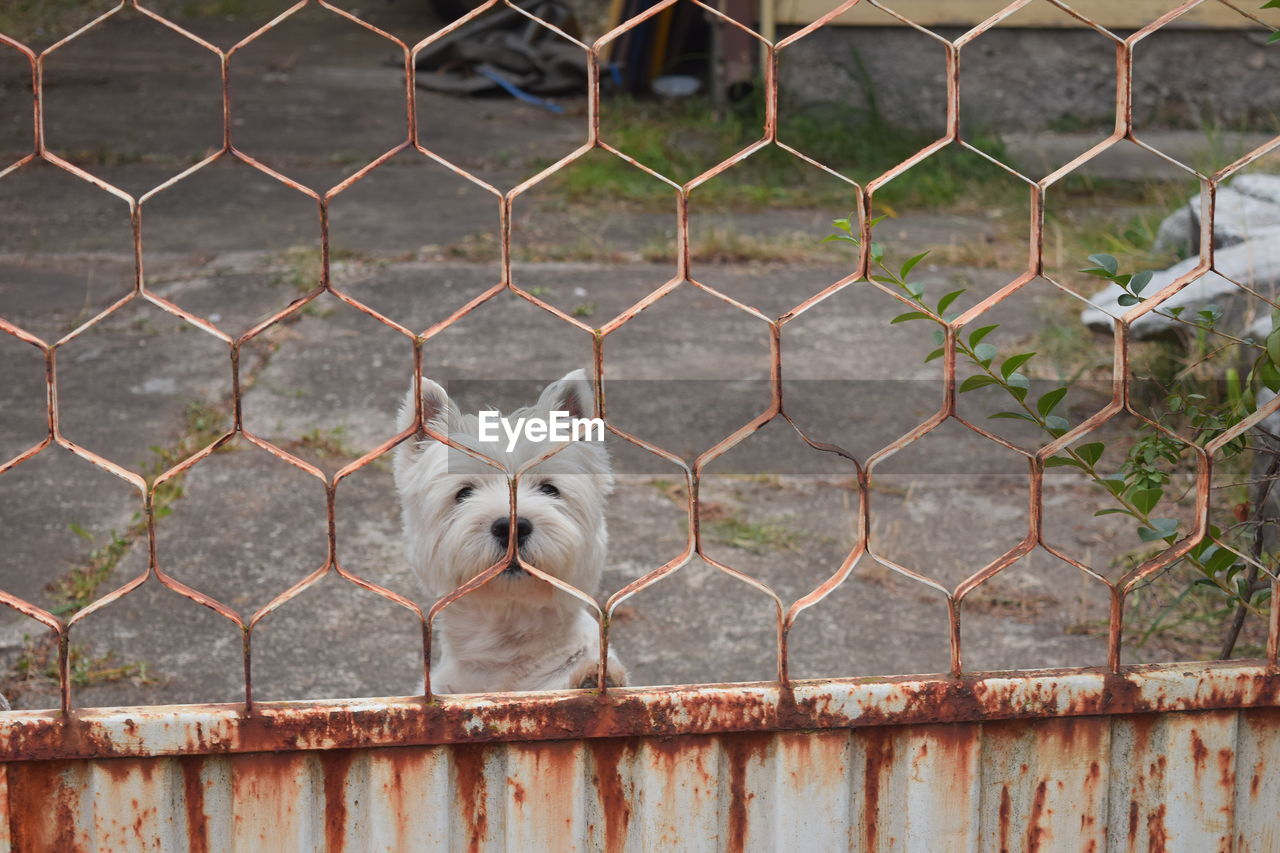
549	490
464	493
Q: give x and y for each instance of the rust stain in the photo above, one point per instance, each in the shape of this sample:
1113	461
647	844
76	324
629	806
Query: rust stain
879	747
335	767
739	750
608	756
1133	824
1035	832
193	804
1199	752
263	788
42	807
402	761
472	795
1227	769
1157	834
1006	815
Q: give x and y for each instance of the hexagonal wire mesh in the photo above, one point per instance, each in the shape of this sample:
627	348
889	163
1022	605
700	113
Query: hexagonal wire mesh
785	612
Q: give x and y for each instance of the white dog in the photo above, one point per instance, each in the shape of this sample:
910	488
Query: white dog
516	632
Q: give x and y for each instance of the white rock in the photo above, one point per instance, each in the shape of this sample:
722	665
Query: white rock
1180	231
1255	263
1249	204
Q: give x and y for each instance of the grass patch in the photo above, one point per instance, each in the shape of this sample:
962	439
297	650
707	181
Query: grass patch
1118	217
36	669
677	140
748	536
78	588
298	268
328	443
719	245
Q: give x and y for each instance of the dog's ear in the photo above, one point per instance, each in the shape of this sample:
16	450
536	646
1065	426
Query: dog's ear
571	393
438	411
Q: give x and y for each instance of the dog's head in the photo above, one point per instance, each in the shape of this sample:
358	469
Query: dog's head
457	509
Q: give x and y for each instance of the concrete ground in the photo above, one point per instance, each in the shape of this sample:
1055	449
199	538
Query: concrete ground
415	243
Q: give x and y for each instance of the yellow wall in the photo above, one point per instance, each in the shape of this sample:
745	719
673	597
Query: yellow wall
1115	14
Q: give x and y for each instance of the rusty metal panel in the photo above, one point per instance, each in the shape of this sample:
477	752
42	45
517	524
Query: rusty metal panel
405	786
906	786
1193	781
1257	817
1044	784
1173	782
813	786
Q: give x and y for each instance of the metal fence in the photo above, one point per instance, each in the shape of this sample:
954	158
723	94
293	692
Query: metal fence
53	796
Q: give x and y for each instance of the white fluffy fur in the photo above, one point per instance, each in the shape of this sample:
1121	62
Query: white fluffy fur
516	632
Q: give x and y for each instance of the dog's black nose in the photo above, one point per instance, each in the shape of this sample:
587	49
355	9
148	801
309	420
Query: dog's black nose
501	529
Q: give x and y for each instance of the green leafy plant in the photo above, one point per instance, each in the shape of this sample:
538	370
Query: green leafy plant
1136	485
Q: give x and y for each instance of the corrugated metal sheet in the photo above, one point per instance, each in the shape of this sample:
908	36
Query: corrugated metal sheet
1159	758
1188	781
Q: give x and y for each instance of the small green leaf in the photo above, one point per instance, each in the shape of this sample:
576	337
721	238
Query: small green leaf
978	334
936	354
81	532
1056	425
1273	346
877	220
945	302
1140	280
1106	262
1161	528
1146	499
1274	37
1112	511
1269	375
1126	300
985	353
1115	485
1091	452
1021	416
843	225
915	288
910	264
833	237
975	382
1013	362
1063	462
1271	4
877	252
1221	559
910	315
1019	381
1050	400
